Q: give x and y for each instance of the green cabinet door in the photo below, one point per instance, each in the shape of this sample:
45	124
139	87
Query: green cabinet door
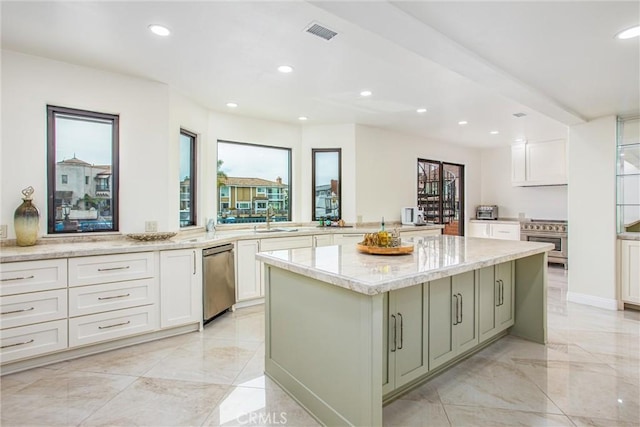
466	330
505	275
488	300
441	322
406	336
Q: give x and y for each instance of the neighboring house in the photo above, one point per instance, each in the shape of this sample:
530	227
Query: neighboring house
252	196
327	199
85	187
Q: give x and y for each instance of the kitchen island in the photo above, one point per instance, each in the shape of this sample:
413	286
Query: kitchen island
347	332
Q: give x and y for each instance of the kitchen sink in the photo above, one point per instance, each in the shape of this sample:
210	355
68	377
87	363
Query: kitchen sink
275	230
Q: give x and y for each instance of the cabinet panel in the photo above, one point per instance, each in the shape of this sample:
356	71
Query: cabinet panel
248	270
441	319
630	271
110	268
466	331
506	231
93	299
180	287
487	302
546	162
32	276
111	325
322	240
32	340
505	273
411	355
35	307
479	229
518	164
347	238
279	243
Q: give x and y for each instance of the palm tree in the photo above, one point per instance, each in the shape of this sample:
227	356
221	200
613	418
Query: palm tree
222	177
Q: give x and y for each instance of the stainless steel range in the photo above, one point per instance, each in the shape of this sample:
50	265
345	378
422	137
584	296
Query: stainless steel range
548	231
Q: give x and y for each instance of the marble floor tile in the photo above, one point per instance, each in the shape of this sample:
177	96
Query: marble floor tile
159	402
483	382
236	326
243	406
426	392
217	361
467	416
14	382
64	398
600	422
411	413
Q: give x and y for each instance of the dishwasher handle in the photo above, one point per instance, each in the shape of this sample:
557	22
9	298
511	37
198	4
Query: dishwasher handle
217	250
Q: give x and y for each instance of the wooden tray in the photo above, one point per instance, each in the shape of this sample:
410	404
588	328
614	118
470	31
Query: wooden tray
378	250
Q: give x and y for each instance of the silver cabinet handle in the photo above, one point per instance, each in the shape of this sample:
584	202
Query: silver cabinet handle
115	296
17	278
18	311
456	311
394	333
496	288
113	326
16	344
114	268
460	308
500	292
401	332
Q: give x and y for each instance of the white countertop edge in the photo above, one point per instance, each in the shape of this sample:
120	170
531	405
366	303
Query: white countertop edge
368	288
628	236
54	250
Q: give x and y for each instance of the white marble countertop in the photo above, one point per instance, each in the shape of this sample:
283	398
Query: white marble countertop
64	247
433	257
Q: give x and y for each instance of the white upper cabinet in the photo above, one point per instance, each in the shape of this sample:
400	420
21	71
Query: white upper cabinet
539	163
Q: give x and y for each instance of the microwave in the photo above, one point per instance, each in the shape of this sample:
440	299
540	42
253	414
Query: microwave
487	212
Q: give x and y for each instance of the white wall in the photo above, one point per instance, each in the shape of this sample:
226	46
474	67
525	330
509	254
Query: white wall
386	171
535	202
29	83
591	213
330	136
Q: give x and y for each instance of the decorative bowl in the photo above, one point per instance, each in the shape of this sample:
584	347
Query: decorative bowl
148	237
381	250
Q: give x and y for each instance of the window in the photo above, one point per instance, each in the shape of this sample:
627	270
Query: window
253	178
441	194
187	178
326	186
82	144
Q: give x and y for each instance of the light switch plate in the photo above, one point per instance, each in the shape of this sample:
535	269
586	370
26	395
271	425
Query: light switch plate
151	226
3	231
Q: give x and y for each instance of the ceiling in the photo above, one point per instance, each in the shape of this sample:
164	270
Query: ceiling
556	62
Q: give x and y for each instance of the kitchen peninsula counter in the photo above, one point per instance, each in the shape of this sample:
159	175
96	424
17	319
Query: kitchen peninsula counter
346	331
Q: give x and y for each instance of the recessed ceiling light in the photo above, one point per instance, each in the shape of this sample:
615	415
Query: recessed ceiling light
421	110
629	33
366	93
462	122
285	68
494	132
232	104
159	30
302	118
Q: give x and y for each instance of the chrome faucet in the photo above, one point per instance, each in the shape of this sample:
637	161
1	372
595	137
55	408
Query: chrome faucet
269	215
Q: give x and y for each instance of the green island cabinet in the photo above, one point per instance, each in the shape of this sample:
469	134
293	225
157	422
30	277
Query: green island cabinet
496	284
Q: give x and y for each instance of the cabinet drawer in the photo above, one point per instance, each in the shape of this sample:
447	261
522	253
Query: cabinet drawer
93	299
32	276
505	231
36	307
110	268
114	324
279	243
32	340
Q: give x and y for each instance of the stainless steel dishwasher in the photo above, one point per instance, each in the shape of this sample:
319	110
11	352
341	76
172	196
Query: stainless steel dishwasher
219	287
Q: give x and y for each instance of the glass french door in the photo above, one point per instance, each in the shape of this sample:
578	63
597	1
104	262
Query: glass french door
441	194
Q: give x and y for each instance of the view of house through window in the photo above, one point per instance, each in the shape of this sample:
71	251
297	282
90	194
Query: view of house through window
187	178
326	184
253	182
82	162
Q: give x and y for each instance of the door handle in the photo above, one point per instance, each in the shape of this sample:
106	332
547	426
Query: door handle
401	332
456	311
394	333
460	308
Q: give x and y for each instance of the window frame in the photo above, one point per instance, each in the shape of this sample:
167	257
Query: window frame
52	112
193	205
314	151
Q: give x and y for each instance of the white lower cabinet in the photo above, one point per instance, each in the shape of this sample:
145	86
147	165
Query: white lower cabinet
248	271
322	240
406	331
112	324
491	230
347	238
180	287
419	233
32	340
453	317
496	299
629	275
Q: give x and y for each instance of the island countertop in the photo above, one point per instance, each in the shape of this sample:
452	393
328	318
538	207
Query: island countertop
433	258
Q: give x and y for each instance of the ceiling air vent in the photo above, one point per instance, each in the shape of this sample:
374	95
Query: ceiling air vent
519	115
320	31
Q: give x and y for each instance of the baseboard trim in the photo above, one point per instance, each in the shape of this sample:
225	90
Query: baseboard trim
585	299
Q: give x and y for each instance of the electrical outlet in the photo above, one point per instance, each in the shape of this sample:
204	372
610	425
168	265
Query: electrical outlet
3	231
151	226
